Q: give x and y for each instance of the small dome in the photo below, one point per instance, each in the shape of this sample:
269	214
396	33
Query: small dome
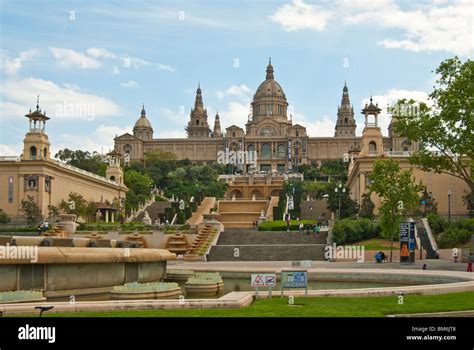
143	121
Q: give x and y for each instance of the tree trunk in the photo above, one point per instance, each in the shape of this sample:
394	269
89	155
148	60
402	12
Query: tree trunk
391	247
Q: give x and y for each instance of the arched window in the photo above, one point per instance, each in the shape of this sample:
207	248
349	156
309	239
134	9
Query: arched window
45	150
197	121
251	148
345	120
280	151
266	151
372	147
112	178
32	152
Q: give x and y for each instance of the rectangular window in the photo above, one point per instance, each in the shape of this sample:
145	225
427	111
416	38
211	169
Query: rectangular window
10	189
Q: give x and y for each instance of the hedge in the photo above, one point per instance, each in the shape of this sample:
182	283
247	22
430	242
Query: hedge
280	225
349	231
19	229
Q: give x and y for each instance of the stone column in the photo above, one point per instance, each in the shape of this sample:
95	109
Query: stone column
106	215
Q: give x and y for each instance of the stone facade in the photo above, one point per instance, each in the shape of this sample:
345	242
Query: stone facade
50	181
280	145
362	162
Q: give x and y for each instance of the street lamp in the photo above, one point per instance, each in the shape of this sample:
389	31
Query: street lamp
449	204
339	190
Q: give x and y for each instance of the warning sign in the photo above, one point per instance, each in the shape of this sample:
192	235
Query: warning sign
263	280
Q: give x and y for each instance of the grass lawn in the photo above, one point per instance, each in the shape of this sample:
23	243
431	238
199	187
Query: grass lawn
376	244
313	307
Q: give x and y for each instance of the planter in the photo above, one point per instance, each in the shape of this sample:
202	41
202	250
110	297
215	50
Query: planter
146	295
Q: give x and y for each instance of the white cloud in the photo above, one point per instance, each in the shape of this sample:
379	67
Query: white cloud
101	140
235	113
390	98
129	84
71	58
11	149
61	102
298	15
314	128
10	65
418	27
242	91
116	71
436	26
165	67
100	53
134	62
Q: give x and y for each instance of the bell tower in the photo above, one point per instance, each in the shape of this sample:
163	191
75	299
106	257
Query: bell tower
372	141
36	144
346	125
114	171
198	126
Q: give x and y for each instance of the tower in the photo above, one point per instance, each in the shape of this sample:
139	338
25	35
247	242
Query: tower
372	141
142	128
217	127
346	125
114	171
36	143
197	125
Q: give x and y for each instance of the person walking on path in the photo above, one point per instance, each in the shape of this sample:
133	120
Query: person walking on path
469	266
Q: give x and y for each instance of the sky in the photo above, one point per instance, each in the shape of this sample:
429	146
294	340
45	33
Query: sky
94	64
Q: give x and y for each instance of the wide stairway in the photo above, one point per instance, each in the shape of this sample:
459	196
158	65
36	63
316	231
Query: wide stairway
255	245
241	212
206	205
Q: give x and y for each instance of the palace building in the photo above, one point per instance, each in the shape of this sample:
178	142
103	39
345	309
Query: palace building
280	145
48	181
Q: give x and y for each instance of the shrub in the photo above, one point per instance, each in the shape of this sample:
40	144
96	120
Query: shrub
453	237
437	223
4	218
349	231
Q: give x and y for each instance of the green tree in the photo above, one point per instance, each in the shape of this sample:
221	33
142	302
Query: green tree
349	207
139	189
367	207
76	204
398	193
4	218
85	160
30	209
445	129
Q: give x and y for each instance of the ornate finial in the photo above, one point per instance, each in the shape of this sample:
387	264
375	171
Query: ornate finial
37	102
269	69
143	110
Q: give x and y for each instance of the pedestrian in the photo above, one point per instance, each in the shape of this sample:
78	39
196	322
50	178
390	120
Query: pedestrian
288	222
424	267
469	266
300	225
317	229
39	229
45	226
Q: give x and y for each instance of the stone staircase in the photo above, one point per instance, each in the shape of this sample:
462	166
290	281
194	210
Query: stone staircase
255	245
154	210
241	212
206	205
204	238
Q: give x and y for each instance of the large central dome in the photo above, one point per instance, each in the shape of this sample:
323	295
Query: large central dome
269	99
